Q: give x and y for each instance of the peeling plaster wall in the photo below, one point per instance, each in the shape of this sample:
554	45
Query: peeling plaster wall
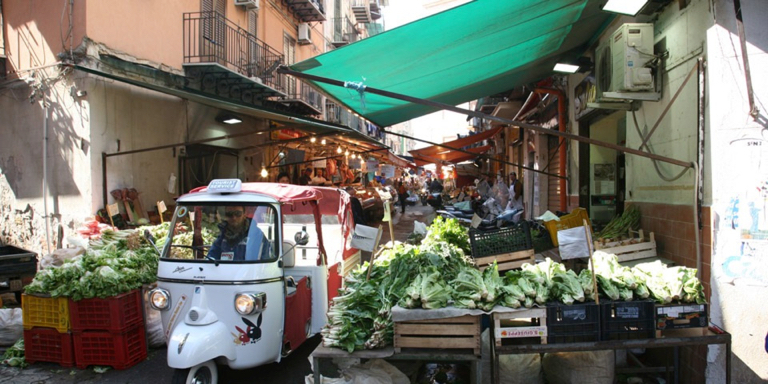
68	151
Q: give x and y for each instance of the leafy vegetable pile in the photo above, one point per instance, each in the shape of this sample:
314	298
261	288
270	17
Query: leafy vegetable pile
361	316
118	262
14	356
620	225
437	273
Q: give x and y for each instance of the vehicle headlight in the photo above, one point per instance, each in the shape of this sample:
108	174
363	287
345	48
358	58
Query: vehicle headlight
160	299
250	303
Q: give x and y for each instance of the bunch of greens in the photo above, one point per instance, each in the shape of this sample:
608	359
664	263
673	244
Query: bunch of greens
14	356
620	225
667	284
361	316
449	231
118	262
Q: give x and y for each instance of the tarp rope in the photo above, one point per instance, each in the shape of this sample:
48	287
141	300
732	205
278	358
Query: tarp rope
360	88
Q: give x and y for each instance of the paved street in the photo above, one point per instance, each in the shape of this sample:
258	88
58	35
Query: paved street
291	370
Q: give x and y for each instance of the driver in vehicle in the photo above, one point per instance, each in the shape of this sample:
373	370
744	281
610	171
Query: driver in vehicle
238	236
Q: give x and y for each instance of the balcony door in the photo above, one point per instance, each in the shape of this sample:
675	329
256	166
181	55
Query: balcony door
289	50
213	31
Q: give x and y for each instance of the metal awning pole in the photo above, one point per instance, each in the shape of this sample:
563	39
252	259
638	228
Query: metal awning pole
468	112
491	158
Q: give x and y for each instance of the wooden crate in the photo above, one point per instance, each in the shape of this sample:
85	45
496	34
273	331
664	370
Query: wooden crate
534	334
507	261
632	248
461	332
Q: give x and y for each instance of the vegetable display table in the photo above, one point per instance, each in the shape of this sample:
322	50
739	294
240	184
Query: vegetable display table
669	338
322	354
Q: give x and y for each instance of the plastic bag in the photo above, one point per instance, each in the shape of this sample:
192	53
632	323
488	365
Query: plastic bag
59	256
11	327
579	367
513	369
573	243
375	371
419	227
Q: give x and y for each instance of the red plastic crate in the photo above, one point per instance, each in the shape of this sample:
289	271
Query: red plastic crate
47	344
120	350
114	314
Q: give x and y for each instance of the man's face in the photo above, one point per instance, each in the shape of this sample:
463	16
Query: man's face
235	216
512	177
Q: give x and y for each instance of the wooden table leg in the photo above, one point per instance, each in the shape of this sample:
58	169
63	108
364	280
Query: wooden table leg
316	369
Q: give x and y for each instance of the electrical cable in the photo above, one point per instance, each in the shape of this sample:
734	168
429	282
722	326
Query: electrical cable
650	150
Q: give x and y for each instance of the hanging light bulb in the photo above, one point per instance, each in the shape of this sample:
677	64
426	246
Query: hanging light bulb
264	172
322	142
346	153
353	156
338	150
314	139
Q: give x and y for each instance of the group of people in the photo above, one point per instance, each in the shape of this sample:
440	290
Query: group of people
318	176
509	196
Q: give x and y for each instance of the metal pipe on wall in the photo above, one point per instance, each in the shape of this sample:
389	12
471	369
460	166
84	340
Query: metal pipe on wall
561	121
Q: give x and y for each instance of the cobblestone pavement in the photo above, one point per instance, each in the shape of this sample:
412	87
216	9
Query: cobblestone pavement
154	369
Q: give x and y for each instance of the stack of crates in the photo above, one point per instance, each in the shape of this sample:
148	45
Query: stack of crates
109	331
47	335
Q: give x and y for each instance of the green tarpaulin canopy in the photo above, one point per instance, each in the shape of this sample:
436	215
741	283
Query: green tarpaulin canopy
477	49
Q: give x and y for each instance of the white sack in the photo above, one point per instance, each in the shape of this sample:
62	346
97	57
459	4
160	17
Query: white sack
11	326
595	367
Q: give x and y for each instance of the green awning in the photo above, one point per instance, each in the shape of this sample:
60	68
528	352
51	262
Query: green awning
477	49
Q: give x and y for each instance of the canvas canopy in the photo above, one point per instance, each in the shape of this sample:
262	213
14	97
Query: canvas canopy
477	49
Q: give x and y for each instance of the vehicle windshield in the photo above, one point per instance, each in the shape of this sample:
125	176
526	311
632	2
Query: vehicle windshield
225	233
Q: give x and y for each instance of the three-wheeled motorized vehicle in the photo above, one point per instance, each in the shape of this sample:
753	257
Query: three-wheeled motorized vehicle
233	288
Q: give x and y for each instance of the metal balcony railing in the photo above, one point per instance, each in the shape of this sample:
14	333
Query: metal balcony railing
297	90
209	37
338	114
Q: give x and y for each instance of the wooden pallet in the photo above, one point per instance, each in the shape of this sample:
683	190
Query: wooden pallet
461	332
632	248
507	261
535	333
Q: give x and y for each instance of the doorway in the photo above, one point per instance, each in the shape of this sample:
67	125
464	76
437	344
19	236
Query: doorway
601	170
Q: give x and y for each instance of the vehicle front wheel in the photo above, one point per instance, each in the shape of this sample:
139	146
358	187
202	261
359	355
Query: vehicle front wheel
205	373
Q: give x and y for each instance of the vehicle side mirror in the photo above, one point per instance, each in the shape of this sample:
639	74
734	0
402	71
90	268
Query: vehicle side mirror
302	237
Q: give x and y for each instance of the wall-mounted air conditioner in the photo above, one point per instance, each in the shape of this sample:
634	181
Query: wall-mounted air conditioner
305	34
248	4
622	64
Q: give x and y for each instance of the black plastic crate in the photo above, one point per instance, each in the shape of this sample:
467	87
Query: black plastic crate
16	261
675	316
627	320
572	323
500	241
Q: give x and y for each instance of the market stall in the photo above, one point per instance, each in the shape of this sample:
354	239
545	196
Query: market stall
431	298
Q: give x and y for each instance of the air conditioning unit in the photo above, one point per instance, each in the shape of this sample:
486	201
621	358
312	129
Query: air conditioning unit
305	34
248	4
620	63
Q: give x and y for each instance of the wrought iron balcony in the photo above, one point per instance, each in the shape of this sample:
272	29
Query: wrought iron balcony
344	31
339	114
222	58
300	98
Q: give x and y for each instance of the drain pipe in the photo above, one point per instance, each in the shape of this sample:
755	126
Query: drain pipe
561	119
45	174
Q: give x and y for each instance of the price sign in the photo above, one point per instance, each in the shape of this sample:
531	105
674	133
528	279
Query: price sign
113	210
161	207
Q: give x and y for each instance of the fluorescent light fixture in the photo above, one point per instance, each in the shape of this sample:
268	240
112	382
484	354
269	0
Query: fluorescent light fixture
625	7
566	68
228	119
232	120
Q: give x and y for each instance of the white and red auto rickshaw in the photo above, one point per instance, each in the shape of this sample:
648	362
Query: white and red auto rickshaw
233	289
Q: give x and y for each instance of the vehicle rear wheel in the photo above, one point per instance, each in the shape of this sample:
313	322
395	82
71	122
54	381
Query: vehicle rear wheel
205	373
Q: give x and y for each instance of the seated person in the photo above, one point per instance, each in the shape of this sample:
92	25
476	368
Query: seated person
233	241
